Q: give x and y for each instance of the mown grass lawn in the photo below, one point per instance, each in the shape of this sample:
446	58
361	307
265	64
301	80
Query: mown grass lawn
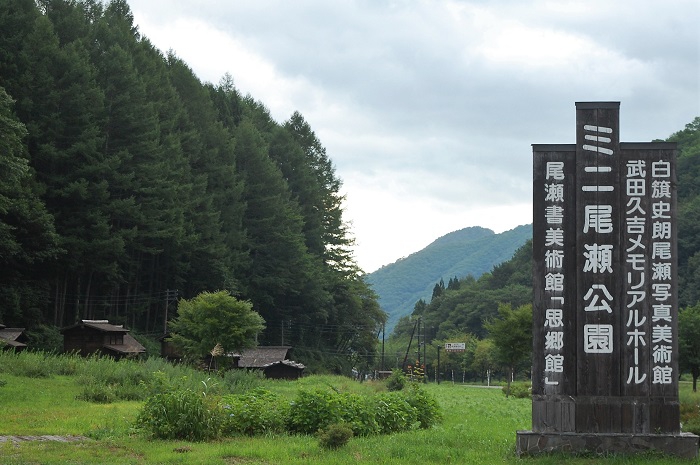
479	428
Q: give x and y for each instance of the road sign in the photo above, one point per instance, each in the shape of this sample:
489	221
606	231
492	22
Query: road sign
455	346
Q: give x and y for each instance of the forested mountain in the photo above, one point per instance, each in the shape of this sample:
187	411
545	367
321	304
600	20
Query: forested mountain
466	252
459	310
125	178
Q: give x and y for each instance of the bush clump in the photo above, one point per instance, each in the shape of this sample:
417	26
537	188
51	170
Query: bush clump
428	411
358	412
394	413
396	381
259	411
314	410
179	414
386	413
334	436
519	390
690	417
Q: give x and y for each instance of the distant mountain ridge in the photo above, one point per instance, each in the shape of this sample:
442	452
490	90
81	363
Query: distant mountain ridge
469	251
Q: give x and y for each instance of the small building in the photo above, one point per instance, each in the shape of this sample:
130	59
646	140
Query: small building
168	350
13	338
273	361
99	336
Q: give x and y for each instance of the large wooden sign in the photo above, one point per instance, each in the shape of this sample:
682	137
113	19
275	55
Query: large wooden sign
605	367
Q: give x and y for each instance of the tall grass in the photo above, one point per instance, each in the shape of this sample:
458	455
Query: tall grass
479	425
105	380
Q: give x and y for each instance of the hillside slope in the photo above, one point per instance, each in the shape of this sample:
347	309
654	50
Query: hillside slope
469	251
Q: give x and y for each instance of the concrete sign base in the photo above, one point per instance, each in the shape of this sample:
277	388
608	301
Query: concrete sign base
684	445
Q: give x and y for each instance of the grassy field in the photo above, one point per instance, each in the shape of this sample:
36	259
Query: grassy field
479	428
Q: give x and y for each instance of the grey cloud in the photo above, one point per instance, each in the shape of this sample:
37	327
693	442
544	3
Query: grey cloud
427	108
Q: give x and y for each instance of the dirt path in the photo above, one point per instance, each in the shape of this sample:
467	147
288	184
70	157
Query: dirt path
18	439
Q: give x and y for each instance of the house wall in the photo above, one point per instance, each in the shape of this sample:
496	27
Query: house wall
84	340
282	371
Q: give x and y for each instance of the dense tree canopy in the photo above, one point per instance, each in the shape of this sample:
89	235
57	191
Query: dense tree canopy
129	178
215	318
511	333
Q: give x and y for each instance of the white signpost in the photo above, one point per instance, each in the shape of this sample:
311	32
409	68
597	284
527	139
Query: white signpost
455	346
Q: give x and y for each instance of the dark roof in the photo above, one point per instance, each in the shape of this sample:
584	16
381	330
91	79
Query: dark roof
261	357
288	363
130	346
100	325
13	337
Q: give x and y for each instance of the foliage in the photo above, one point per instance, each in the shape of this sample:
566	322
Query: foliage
478	427
428	413
214	318
511	334
27	235
394	413
690	414
256	412
396	381
689	341
484	359
334	436
105	380
45	338
519	390
314	410
241	381
125	177
358	413
179	414
385	413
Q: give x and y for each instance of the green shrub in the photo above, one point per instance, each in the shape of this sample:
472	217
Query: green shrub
692	425
25	363
386	413
46	338
256	412
313	410
241	381
690	416
519	390
334	436
396	381
179	414
358	412
394	413
93	391
427	409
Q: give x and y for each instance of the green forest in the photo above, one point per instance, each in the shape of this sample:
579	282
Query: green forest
461	310
127	184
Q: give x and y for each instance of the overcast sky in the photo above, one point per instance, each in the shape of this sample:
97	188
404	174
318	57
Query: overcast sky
428	109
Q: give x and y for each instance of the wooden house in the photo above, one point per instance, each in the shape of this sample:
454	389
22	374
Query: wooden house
13	338
273	361
168	349
99	336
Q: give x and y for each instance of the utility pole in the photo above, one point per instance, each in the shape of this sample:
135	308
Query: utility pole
169	295
383	334
425	358
418	351
437	373
408	349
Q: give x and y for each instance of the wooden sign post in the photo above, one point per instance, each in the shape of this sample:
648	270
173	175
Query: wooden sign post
605	367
